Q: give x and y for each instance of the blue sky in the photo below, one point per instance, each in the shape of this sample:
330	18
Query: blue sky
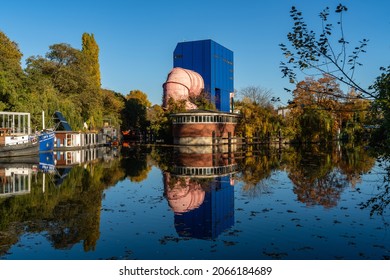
137	38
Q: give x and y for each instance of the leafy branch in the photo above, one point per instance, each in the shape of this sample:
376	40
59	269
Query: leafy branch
308	52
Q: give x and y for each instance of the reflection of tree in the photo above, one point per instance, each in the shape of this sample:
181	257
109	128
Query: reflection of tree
69	213
323	191
380	202
255	168
354	161
314	178
135	163
320	176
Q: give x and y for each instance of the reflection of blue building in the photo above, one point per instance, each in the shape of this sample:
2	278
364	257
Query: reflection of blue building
213	216
200	190
214	63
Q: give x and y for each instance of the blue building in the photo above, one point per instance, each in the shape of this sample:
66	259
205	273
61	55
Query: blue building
214	63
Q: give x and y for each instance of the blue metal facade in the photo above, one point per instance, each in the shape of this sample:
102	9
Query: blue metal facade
214	63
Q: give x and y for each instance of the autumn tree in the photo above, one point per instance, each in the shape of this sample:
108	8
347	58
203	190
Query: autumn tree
313	110
258	116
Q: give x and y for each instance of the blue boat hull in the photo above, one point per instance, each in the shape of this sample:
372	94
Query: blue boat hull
46	141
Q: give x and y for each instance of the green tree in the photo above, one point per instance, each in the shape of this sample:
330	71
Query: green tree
90	50
11	74
66	68
114	103
202	101
381	107
158	121
42	96
134	113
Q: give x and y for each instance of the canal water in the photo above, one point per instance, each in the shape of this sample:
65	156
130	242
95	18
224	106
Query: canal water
165	203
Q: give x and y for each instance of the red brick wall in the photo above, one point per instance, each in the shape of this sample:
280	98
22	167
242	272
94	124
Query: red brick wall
203	129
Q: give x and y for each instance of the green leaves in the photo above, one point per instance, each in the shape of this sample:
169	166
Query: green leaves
11	73
321	54
90	50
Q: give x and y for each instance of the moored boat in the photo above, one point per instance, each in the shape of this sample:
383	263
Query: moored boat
16	139
12	145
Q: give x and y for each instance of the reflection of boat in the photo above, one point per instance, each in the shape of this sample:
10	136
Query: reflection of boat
46	162
76	157
15	179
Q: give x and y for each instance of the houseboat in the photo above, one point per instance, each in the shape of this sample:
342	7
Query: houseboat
12	145
16	139
68	139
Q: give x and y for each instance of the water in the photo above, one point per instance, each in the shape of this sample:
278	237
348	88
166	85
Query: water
184	204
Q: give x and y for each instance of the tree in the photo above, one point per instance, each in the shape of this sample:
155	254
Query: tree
42	96
381	106
114	103
90	50
324	54
66	69
202	101
257	95
11	73
313	110
158	121
140	96
256	120
134	113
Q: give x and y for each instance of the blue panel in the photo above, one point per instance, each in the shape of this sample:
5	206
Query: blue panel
213	62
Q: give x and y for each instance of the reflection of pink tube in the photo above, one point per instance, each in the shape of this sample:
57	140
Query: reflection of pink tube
181	84
184	195
192	200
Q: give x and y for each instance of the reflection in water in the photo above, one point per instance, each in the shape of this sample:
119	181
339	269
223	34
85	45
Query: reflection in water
16	179
200	192
63	198
320	177
94	204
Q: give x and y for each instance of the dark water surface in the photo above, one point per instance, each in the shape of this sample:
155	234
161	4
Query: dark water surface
150	203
